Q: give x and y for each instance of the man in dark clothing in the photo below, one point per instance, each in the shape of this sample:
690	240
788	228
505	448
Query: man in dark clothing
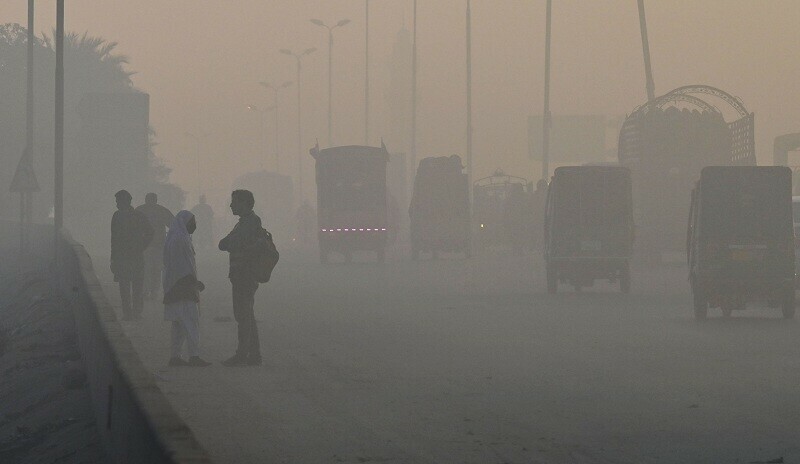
130	235
239	243
159	218
205	217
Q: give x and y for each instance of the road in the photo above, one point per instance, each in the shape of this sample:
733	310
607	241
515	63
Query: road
469	361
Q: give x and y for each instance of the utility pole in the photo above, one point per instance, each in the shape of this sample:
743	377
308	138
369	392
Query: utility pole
546	114
366	73
648	71
298	57
58	207
469	97
414	95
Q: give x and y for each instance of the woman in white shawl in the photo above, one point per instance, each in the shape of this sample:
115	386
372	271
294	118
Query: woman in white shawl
182	290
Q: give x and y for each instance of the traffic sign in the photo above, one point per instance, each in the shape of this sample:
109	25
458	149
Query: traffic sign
24	177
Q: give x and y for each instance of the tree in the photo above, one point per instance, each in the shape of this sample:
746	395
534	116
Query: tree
91	66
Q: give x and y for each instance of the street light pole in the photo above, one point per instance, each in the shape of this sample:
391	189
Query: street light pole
262	119
275	89
263	127
366	72
546	116
298	57
341	23
414	95
58	205
469	96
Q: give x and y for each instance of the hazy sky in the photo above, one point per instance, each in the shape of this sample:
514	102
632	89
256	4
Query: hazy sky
201	60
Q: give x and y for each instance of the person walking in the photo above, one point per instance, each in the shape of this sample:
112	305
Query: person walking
130	235
239	243
182	291
205	229
160	219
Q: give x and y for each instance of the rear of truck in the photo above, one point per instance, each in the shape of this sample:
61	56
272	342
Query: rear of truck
352	210
439	211
589	226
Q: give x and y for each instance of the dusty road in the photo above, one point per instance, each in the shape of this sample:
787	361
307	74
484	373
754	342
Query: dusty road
460	361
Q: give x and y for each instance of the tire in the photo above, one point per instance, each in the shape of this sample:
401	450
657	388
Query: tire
323	256
381	256
414	254
788	304
625	279
435	255
727	311
348	256
552	281
700	304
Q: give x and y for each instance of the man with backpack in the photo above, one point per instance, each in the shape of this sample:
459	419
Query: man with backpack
246	244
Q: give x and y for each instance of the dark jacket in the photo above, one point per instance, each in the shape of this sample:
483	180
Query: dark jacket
130	235
160	218
239	243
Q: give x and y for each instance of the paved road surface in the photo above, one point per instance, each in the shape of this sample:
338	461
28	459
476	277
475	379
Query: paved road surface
460	361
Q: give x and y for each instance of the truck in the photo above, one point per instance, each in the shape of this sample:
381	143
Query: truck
499	211
740	239
352	211
439	211
665	143
588	227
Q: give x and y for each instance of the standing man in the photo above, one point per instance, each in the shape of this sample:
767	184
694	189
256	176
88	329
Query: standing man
160	218
205	217
239	243
130	235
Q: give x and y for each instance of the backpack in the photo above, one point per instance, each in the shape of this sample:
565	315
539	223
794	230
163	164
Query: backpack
265	256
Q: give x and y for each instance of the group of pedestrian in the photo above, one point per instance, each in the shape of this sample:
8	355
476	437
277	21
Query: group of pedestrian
153	250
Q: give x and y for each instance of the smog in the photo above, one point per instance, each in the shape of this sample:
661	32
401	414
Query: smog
460	231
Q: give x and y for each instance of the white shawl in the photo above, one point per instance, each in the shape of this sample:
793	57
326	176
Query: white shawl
178	251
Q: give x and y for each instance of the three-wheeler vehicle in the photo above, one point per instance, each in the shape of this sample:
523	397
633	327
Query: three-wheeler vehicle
740	239
588	226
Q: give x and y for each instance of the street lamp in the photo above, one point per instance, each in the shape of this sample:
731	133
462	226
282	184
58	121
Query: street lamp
341	23
298	57
276	89
263	115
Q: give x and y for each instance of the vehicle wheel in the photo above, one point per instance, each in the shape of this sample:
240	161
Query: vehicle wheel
552	281
381	256
468	252
323	256
414	254
348	256
788	304
700	304
625	280
727	311
435	255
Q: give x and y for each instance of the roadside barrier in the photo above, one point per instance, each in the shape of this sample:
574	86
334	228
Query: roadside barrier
136	422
